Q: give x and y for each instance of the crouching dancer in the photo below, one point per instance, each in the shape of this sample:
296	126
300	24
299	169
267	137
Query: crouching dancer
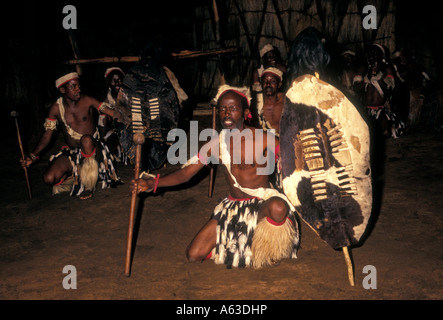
85	159
254	225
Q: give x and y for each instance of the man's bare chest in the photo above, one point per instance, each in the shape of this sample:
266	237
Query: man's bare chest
78	116
244	159
272	112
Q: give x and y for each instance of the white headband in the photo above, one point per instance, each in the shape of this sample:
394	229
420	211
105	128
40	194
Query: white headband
274	71
66	78
266	49
109	70
352	53
380	47
242	91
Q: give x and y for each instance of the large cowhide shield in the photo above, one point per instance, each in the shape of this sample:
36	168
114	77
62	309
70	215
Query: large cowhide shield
325	161
159	112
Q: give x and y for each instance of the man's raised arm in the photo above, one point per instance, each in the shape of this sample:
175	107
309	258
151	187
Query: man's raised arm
105	108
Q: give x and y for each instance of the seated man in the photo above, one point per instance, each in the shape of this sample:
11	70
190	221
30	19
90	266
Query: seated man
114	77
85	157
255	224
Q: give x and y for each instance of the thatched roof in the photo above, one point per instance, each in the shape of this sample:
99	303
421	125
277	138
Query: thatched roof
250	25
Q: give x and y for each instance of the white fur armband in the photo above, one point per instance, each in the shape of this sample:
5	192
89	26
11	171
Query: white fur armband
50	124
193	160
103	106
357	79
390	82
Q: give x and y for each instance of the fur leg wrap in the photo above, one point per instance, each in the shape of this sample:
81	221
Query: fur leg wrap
272	242
88	172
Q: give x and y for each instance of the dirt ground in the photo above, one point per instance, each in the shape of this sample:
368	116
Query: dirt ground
39	237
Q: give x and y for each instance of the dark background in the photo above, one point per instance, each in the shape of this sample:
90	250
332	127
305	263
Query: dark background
34	45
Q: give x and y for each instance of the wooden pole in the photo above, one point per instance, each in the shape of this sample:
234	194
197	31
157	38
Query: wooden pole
252	47
218	39
184	54
349	265
15	114
281	23
139	139
222	81
193	54
211	173
104	60
75	50
216	21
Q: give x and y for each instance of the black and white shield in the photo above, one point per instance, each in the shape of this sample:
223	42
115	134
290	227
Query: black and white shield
325	161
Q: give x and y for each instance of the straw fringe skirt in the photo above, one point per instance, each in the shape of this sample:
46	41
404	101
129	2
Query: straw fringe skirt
237	222
107	174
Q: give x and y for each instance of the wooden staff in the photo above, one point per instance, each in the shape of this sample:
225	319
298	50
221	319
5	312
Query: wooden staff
139	139
14	114
222	81
211	173
349	264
